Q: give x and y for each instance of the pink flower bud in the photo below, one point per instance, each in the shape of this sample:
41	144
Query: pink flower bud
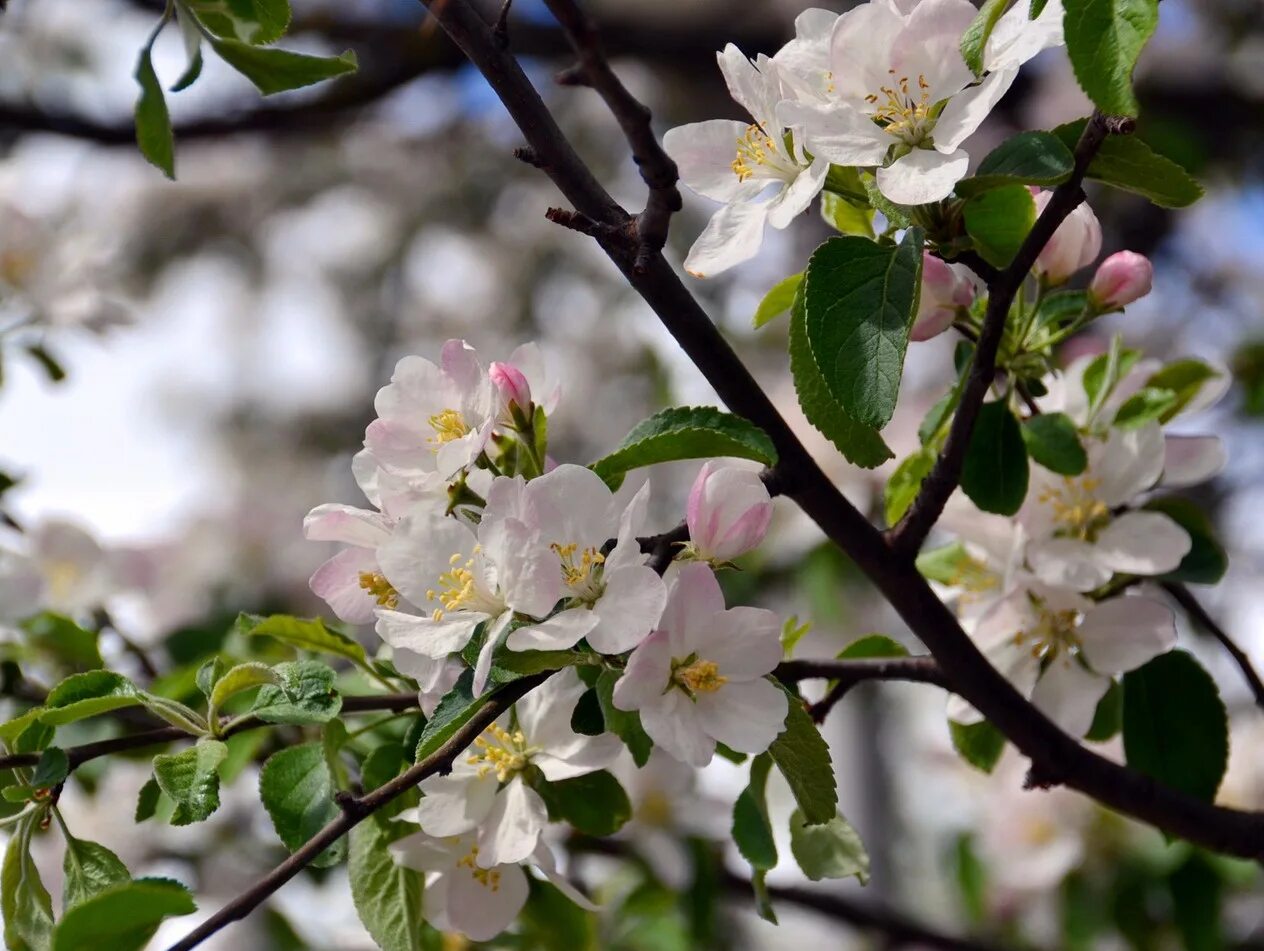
1122	278
945	289
511	384
1076	244
728	512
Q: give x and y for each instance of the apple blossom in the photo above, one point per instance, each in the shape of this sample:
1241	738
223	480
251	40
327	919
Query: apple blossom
728	513
946	291
700	677
487	791
737	163
1122	278
1075	244
76	570
21	586
511	384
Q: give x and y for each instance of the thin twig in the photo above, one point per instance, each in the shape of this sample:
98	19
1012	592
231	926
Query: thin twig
1198	614
848	673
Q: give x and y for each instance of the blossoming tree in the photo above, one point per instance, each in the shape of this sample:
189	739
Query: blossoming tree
542	636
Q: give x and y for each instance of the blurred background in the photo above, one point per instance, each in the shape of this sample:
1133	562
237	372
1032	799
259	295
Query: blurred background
221	339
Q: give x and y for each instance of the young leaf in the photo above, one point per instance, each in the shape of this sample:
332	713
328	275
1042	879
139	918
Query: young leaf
1029	158
873	645
208	674
25	904
685	432
122	918
257	22
974	41
830	850
147	800
998	221
1175	725
847	217
387	896
153	122
1149	404
905	481
996	471
51	769
305	694
777	301
752	832
1108	717
304	634
1126	162
237	680
1053	442
71	645
1184	378
979	744
88	695
804	760
859	299
1104	39
273	70
297	790
90	868
1206	561
191	779
595	803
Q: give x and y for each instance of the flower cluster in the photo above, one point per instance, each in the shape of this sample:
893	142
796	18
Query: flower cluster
479	546
883	88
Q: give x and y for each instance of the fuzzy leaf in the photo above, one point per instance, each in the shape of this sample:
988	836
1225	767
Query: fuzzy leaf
829	850
191	779
803	757
297	789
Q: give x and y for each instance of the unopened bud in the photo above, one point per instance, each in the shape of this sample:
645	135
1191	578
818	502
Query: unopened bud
511	384
1122	278
728	512
946	289
1076	244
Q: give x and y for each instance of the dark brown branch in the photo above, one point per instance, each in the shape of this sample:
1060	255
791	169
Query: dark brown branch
907	537
1198	614
1226	830
356	809
78	755
848	673
663	548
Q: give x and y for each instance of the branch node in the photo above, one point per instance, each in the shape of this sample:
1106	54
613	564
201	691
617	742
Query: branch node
1120	125
577	221
572	76
500	32
528	155
349	804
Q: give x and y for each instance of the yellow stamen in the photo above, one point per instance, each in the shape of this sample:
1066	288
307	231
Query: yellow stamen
383	592
701	676
487	877
1053	633
753	148
501	752
576	573
447	425
900	114
1076	509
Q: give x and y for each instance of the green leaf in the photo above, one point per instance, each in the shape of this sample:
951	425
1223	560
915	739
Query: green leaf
859	300
846	217
1029	158
1053	442
777	301
1175	725
595	803
90	868
304	695
273	70
1108	717
387	896
25	904
88	695
996	472
862	445
208	675
147	801
979	744
685	432
1197	888
256	22
828	850
305	634
624	724
1184	379
1126	162
974	40
1104	39
51	769
239	679
752	830
804	760
905	481
72	645
1206	562
192	36
1104	372
998	220
873	645
297	789
1147	405
452	712
153	122
191	779
122	918
10	730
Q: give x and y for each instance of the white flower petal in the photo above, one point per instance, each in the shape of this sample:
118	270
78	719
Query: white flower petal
1067	694
672	722
744	642
1068	563
791	201
704	153
1123	633
337	583
544	715
922	176
455	804
543	859
1016	38
1189	460
733	235
481	908
1128	463
647	674
746	716
425	636
347	524
586	754
693	596
966	110
563	630
1142	543
512	829
860	48
836	132
628	610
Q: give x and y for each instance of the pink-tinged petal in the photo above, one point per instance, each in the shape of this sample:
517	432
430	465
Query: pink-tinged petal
398	444
452	805
629	608
546	390
627	550
481	908
1129	463
347	524
1123	633
1189	460
728	512
460	365
1067	693
744	642
1142	543
574	505
426	636
337	583
417	390
1075	244
512	828
836	133
647	675
420	550
1068	563
672	722
794	200
559	632
693	596
922	176
704	153
745	716
860	48
966	110
527	573
733	235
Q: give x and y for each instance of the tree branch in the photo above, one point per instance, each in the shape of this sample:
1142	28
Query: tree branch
907	537
1059	756
356	809
847	673
1198	614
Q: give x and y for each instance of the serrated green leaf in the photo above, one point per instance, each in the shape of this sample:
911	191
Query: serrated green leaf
25	904
685	432
1104	38
974	40
147	801
1126	162
297	790
873	645
10	730
153	121
1175	725
905	482
191	779
305	694
387	896
979	744
803	757
1053	442
859	301
828	850
1029	158
1149	404
90	868
777	301
274	70
452	712
594	804
88	695
995	474
122	918
998	221
257	22
1206	562
239	679
308	634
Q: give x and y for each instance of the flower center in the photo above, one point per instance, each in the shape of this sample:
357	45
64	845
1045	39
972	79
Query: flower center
900	112
458	589
487	877
753	148
448	425
501	752
1076	509
1053	632
382	591
16	266
580	569
698	676
655	809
